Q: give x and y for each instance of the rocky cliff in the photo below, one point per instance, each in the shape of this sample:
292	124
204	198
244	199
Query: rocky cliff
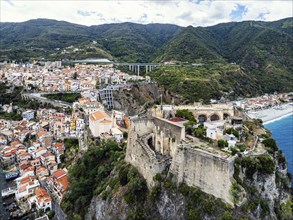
141	96
260	190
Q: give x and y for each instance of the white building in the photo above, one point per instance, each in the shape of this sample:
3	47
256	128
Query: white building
100	122
231	139
117	134
214	129
28	115
41	199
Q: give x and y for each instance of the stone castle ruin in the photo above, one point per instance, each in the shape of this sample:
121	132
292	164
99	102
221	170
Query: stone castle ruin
155	144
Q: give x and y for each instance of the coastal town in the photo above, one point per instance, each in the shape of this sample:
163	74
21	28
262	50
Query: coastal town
33	149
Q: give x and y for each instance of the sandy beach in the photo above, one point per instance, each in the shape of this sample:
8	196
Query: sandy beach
272	114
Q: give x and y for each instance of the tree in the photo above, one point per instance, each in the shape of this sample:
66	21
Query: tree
200	132
98	85
222	143
270	144
232	131
287	210
186	114
75	75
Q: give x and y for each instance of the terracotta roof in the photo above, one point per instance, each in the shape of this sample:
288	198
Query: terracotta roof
98	115
23	166
27	179
83	99
41	133
22	189
105	121
42	195
16	142
40	149
59	173
40	192
64	182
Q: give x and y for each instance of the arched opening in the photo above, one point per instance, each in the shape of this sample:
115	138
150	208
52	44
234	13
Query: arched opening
226	116
214	117
202	118
151	143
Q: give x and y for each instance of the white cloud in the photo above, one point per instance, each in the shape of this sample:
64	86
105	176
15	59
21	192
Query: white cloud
184	13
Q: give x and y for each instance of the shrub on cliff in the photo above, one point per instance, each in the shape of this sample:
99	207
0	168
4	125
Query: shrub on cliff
287	210
270	144
90	173
136	188
222	143
263	164
232	131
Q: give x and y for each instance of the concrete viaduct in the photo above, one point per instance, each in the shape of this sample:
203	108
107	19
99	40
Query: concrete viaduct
135	67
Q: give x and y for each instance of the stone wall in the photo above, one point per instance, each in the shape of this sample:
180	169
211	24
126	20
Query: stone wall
139	154
168	136
211	173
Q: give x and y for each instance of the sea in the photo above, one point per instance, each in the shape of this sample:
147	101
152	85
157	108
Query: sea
282	132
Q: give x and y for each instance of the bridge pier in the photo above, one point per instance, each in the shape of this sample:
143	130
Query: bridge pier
138	70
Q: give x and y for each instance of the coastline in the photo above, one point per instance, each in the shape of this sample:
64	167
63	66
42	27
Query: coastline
272	114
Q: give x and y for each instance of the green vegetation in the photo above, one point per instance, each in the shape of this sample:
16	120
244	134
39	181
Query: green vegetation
205	82
200	132
263	164
257	57
90	175
186	114
200	204
71	149
136	189
287	210
75	75
222	143
11	94
11	116
270	145
126	41
235	189
232	131
241	147
65	97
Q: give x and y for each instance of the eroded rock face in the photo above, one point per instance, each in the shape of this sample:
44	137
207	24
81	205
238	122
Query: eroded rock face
136	99
267	188
171	206
107	209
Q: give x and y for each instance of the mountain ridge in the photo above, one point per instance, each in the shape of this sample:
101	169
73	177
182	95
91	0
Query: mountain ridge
263	50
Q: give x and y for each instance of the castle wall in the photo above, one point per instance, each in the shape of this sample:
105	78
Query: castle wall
210	173
141	155
168	136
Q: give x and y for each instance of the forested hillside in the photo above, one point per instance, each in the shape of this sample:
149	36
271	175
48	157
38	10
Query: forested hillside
261	52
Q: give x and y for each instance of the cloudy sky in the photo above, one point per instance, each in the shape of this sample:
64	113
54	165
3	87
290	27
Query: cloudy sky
183	13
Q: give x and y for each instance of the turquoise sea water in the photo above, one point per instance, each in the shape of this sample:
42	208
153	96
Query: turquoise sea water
282	131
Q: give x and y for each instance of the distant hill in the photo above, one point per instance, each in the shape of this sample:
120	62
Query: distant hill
263	51
43	37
